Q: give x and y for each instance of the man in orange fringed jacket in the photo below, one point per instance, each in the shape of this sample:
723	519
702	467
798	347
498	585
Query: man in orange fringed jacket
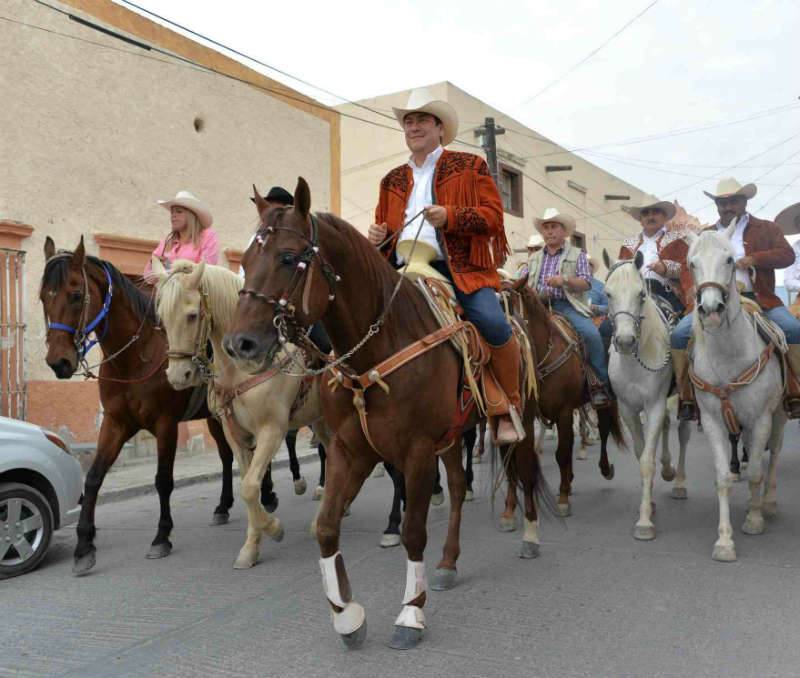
463	222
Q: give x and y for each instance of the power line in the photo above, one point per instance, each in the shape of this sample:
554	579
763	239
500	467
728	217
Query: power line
627	159
588	56
787	186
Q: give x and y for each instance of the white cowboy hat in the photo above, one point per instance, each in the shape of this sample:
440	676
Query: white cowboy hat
664	205
191	203
552	214
535	241
730	187
422	101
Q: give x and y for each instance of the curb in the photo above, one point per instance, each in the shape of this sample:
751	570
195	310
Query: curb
149	488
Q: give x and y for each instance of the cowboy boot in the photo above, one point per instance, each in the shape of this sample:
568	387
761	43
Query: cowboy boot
504	363
687	408
599	394
791	400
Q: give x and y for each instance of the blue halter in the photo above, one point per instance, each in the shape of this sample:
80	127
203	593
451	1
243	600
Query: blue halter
83	343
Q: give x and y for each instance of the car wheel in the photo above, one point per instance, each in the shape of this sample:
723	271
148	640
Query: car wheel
26	527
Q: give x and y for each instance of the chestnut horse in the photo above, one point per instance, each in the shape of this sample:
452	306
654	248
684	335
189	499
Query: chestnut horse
302	268
76	290
560	372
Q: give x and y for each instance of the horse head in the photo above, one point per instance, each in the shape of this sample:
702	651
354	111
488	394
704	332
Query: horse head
627	295
713	268
288	285
182	309
71	297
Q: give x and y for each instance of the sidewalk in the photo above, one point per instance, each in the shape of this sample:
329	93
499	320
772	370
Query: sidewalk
137	479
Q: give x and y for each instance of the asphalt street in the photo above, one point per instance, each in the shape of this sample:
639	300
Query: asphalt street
595	603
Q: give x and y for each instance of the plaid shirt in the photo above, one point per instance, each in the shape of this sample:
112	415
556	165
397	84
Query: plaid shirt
550	265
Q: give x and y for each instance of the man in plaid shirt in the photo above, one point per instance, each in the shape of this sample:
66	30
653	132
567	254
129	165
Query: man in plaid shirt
561	275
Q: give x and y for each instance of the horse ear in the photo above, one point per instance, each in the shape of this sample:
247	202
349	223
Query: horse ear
607	259
261	204
49	248
638	259
302	197
194	278
691	237
157	268
79	255
728	232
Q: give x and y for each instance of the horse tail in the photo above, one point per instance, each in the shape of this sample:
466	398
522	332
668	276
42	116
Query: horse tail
614	424
543	494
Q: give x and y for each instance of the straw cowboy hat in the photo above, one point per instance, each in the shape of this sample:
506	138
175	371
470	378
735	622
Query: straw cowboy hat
422	101
664	205
552	214
190	202
729	187
535	241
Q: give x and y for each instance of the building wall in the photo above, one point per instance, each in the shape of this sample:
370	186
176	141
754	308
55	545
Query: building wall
369	151
95	130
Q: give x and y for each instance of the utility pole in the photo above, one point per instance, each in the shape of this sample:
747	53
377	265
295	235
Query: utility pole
488	134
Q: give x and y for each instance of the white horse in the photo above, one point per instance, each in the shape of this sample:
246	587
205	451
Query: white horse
729	354
640	370
196	304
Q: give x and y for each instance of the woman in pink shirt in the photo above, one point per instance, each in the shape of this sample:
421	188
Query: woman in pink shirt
191	236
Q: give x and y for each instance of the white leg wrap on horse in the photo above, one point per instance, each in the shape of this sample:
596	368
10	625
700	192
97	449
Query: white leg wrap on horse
416	582
330	579
411	617
531	531
348	620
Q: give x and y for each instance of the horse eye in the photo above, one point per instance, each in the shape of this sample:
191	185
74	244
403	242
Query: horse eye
288	258
75	297
730	260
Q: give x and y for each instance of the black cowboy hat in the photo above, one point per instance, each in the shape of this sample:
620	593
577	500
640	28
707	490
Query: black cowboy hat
278	194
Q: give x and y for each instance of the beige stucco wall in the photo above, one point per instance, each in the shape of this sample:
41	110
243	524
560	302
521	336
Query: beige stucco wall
93	134
369	151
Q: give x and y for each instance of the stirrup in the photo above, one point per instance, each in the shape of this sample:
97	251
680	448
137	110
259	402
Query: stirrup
512	418
687	410
791	405
600	398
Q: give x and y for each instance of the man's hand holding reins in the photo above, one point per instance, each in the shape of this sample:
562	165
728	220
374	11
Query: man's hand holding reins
377	233
436	216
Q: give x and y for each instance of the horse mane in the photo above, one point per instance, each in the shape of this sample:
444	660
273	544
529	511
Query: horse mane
57	268
221	284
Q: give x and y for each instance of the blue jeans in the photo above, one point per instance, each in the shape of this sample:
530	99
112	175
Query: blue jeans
779	315
482	308
590	335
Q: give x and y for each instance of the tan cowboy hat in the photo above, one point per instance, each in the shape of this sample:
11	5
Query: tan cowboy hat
422	101
730	187
535	241
664	205
552	214
191	203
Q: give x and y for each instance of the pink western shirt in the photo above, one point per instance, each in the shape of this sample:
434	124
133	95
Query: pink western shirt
207	251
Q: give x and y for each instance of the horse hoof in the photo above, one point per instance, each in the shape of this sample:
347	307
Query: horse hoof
564	510
469	495
743	466
354	640
272	504
679	493
507	524
668	473
82	565
378	471
769	509
644	532
278	534
161	550
583	454
753	525
319	491
443	580
724	553
388	540
405	638
477	459
736	477
436	500
529	550
610	474
220	519
245	560
300	486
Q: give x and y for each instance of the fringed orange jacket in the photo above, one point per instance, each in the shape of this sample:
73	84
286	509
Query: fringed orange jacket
473	240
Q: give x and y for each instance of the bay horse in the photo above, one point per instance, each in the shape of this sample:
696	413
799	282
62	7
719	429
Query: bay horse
76	291
560	375
304	267
738	383
196	304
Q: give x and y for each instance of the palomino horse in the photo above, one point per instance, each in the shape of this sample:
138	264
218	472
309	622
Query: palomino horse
81	295
738	383
196	304
302	268
641	375
560	373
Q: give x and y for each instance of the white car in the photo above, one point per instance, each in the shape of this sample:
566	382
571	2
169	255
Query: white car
40	491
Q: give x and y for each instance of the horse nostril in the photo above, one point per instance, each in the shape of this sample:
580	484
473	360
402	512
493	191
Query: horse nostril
246	346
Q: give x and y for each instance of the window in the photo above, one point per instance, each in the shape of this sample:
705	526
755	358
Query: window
511	190
579	240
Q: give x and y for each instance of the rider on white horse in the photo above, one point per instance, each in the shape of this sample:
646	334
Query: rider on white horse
760	247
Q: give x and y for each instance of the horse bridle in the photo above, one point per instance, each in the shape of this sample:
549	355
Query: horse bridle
199	355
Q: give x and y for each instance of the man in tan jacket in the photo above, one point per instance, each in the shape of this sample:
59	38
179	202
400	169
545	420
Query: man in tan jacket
760	248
